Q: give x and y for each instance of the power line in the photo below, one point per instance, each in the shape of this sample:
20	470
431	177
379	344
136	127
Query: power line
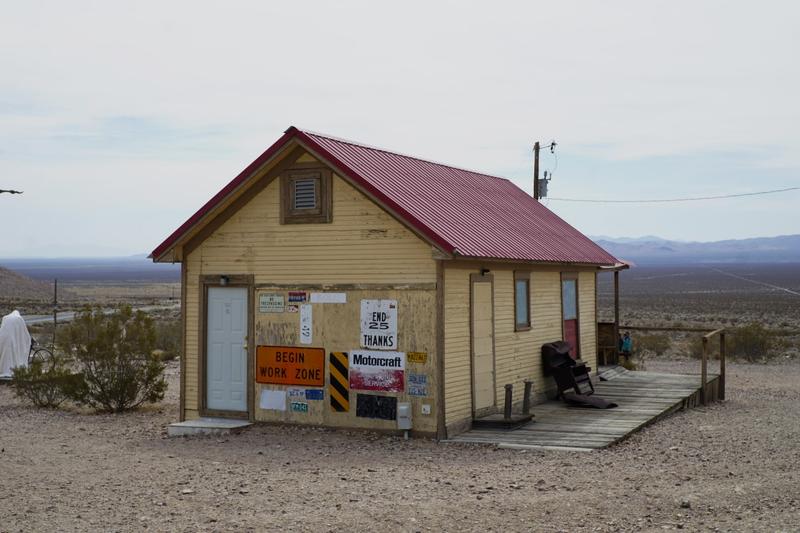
668	200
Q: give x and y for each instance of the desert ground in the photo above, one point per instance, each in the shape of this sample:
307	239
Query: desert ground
729	467
732	466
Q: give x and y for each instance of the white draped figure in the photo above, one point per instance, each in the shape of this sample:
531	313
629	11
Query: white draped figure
15	343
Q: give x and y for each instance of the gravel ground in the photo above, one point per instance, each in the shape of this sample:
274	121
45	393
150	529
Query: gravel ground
731	467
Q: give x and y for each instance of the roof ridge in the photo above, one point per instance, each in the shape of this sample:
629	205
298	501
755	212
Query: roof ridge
392	152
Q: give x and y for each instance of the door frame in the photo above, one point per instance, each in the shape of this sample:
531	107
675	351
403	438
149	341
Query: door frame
481	278
571	276
246	281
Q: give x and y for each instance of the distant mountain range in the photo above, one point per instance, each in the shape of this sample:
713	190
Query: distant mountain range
128	268
655	250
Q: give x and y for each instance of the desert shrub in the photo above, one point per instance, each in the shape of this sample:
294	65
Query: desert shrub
45	383
168	338
656	344
114	356
696	346
752	342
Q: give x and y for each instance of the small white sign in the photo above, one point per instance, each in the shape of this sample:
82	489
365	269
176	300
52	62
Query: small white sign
379	324
306	325
274	400
270	303
328	298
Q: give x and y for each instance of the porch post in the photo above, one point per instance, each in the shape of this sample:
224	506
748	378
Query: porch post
616	317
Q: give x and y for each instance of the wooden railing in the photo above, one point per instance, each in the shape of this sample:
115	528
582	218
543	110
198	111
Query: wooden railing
704	365
704	396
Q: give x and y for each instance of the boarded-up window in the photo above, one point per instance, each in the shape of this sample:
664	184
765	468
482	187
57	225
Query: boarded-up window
306	196
522	301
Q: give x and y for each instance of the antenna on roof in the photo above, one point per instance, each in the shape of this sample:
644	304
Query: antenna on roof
540	186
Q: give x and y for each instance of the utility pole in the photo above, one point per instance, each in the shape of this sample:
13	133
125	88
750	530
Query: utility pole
55	311
536	170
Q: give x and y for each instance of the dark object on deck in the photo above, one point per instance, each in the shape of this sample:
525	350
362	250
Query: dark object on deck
508	402
508	420
568	373
583	400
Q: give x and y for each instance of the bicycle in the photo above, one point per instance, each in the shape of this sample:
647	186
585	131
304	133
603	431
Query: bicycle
39	352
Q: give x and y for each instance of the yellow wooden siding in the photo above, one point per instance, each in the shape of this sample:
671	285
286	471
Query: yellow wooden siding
588	321
192	322
517	353
457	364
362	245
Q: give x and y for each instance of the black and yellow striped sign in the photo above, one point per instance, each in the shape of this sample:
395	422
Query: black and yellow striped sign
339	388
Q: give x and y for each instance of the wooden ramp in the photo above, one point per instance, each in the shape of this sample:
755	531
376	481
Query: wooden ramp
642	398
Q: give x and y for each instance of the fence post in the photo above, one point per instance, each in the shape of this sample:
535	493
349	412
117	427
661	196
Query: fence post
526	399
507	407
721	395
704	371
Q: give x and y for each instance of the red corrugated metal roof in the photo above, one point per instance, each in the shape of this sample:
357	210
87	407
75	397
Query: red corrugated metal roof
464	212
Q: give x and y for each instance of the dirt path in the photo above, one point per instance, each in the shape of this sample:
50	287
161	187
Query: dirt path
731	466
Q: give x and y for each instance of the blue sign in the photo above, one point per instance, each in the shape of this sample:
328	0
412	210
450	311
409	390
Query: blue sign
315	394
417	379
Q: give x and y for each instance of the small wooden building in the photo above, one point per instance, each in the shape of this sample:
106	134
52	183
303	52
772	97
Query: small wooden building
331	282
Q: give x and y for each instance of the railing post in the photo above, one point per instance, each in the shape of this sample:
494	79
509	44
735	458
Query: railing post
616	318
526	399
721	395
704	371
507	407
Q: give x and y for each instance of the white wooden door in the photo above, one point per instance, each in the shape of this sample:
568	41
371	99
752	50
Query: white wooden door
226	349
483	385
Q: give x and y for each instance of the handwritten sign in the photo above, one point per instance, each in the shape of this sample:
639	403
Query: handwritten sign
379	324
287	365
306	325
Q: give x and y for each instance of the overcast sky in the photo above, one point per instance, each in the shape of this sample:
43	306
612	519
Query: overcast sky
119	119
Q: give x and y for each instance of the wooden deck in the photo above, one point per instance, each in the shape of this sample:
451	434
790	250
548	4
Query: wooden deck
642	398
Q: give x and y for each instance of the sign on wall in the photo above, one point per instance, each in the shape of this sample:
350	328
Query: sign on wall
379	324
372	370
417	384
339	389
328	298
274	400
306	326
270	303
371	406
286	365
417	357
